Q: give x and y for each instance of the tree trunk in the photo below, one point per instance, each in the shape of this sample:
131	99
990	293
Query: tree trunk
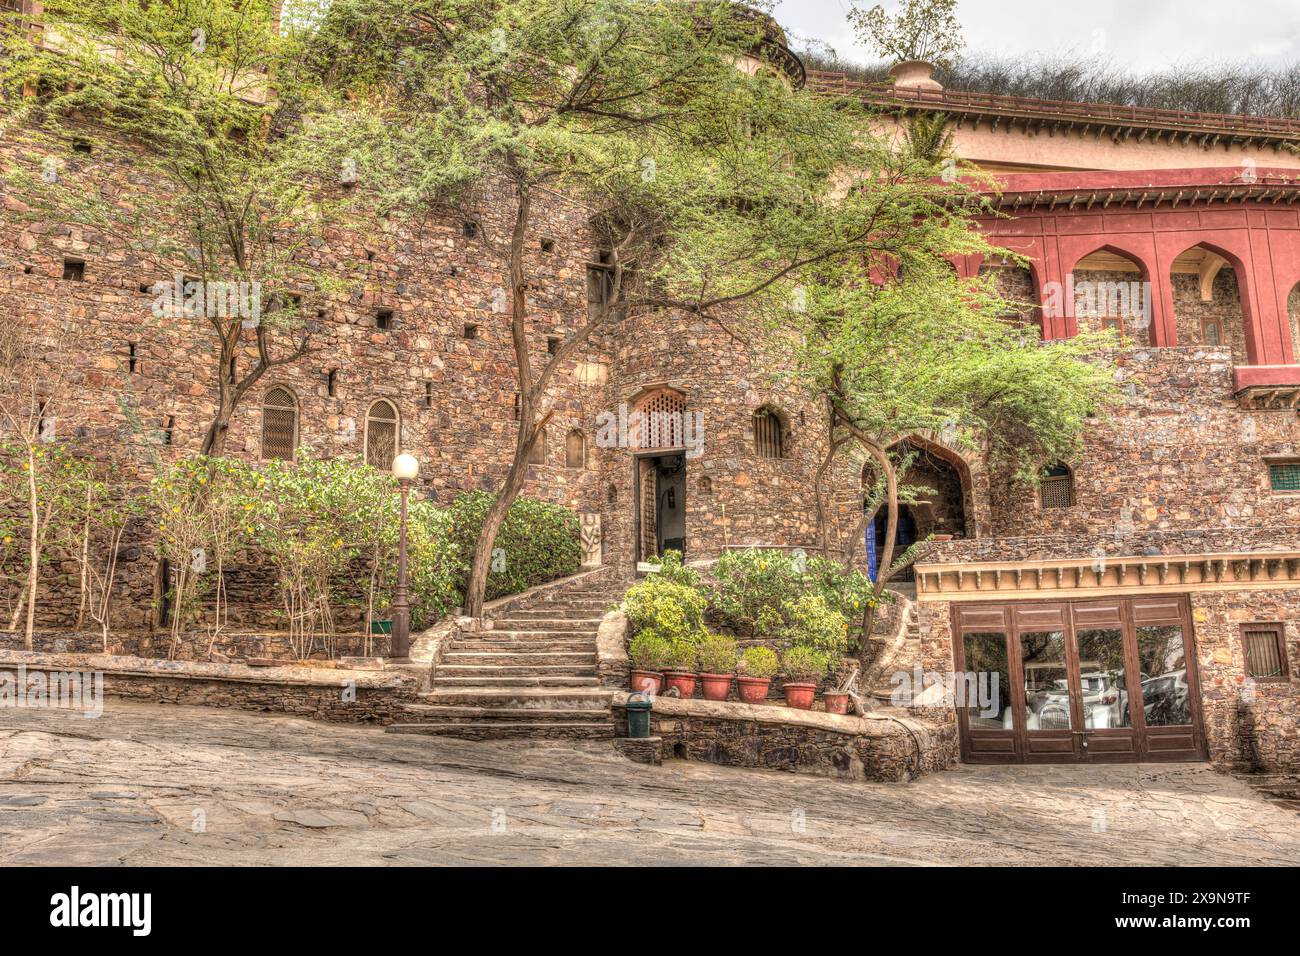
492	522
33	551
214	440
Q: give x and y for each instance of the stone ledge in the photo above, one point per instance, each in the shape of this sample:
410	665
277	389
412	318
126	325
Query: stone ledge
874	725
612	664
205	671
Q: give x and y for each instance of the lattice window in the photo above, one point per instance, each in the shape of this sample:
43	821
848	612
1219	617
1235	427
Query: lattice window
575	450
769	434
279	424
1284	475
1211	332
662	415
1265	649
1056	487
381	435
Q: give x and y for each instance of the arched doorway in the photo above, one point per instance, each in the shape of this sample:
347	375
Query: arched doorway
658	436
939	508
1207	301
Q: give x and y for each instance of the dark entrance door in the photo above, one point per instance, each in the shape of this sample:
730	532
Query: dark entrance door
661	505
1072	682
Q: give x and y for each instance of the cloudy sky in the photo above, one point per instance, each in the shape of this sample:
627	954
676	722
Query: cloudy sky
1141	34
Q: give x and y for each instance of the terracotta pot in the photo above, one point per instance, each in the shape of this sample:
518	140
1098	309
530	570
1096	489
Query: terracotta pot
753	690
799	695
836	703
716	686
647	682
684	681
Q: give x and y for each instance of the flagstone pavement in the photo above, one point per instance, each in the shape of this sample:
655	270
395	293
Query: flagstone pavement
149	784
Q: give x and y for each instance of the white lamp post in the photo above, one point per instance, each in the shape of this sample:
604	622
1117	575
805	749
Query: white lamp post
405	468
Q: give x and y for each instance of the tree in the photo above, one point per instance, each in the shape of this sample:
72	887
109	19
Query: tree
713	190
922	351
922	30
204	102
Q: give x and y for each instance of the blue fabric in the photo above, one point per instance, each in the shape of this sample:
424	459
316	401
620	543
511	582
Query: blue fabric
871	549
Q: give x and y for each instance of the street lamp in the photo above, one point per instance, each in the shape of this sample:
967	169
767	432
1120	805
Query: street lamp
405	468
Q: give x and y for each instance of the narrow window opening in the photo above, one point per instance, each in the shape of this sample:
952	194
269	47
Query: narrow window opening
547	245
132	358
384	319
553	344
470	331
233	371
82	147
74	270
168	430
469	229
428	394
332	383
1264	647
769	434
516	411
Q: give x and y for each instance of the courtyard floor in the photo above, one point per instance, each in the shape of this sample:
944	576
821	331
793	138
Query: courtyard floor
146	784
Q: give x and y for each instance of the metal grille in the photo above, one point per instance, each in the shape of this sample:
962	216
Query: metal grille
1056	491
1265	651
769	435
575	450
662	413
381	435
1284	476
279	424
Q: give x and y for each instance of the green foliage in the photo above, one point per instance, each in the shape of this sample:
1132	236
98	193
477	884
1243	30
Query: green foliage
648	651
673	611
811	622
538	542
801	663
717	655
758	661
848	591
681	655
751	587
670	568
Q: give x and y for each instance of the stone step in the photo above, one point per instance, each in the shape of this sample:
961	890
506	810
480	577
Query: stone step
514	670
541	698
487	682
557	614
546	624
497	731
526	645
578	658
545	635
452	713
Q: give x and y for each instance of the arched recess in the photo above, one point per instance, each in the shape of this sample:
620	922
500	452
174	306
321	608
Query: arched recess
1112	289
771	432
1293	319
1019	285
1209	308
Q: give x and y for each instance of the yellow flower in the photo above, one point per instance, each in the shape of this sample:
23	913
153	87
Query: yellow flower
338	543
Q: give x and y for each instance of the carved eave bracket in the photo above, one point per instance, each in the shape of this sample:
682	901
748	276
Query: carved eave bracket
1084	577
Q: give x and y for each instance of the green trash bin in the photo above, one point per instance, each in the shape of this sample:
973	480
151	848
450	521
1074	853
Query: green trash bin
638	715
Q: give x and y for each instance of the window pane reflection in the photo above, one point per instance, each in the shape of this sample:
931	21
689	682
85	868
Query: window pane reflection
986	657
1047	685
1101	678
1165	699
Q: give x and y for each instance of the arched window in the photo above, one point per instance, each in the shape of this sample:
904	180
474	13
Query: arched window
537	456
1056	487
279	424
663	416
381	435
769	433
575	450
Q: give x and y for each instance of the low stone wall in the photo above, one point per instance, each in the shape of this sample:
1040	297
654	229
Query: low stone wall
348	696
886	746
612	664
194	645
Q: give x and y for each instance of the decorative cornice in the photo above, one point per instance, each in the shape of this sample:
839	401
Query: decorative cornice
1093	577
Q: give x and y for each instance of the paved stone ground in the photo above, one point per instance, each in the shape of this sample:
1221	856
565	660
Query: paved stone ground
133	787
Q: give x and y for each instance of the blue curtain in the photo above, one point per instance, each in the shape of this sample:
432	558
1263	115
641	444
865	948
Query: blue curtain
871	548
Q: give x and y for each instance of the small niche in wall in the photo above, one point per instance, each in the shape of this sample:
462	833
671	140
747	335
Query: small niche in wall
547	245
469	229
469	331
384	319
428	394
706	485
553	343
132	357
332	383
74	270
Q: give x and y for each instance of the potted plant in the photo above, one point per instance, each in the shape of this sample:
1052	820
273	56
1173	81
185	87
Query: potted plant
679	667
836	701
717	661
648	652
754	674
803	666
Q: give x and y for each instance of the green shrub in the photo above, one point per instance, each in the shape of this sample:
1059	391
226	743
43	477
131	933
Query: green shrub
801	663
810	622
671	568
717	655
648	651
674	611
848	591
758	662
751	587
538	542
683	655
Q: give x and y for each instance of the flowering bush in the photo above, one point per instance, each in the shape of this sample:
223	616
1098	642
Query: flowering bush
810	622
757	662
801	663
673	611
670	568
682	655
751	587
648	651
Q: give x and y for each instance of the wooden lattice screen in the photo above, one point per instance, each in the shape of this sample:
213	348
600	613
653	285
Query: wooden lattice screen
769	435
1265	650
662	413
381	435
279	424
1056	491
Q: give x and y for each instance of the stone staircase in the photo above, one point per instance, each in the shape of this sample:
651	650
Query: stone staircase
531	673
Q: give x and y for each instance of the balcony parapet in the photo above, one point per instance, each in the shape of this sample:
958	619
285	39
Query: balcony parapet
1267	387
